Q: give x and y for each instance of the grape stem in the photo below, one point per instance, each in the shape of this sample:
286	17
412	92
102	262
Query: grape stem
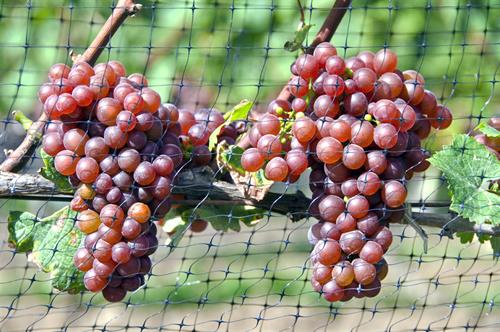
197	183
123	9
325	33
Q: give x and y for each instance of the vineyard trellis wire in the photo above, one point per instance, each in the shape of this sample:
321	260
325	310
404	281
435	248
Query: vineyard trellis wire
200	54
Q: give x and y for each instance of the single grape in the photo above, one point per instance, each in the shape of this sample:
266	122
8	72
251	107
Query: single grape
109	165
307	66
120	253
75	140
329	150
333	85
199	134
349	188
102	251
367	57
99	86
335	65
151	98
112	216
323	125
322	273
103	269
331	207
83	259
441	118
96	148
299	105
362	133
352	242
53	143
330	231
428	103
93	282
123	180
356	104
144	174
276	169
322	52
297	162
129	160
364	272
413	92
115	138
131	284
385	136
269	146
343	273
382	269
87	170
354	63
140	212
326	106
365	79
110	235
358	206
354	156
369	224
139	245
268	124
59	70
368	183
385	61
340	130
131	229
332	292
394	193
371	252
65	162
297	86
114	294
395	83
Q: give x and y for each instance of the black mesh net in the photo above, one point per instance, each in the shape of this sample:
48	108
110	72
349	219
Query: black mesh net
215	53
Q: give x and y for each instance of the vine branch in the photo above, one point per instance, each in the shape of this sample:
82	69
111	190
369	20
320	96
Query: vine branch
123	9
201	183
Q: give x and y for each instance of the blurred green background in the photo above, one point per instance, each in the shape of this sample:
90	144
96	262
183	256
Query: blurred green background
198	53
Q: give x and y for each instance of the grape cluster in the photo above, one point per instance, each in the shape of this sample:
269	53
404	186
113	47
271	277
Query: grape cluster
120	147
358	124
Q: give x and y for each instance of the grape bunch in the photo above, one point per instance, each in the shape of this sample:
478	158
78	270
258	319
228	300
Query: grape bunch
120	147
357	123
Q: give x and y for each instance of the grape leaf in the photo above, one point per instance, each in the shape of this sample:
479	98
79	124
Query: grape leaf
495	245
465	237
222	218
51	243
298	38
49	172
468	167
488	130
239	112
230	157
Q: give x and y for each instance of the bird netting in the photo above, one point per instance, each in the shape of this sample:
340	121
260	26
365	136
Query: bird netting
251	268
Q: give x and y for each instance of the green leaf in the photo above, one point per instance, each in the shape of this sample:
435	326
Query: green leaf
231	158
298	38
495	245
225	217
468	167
260	179
488	130
51	243
49	172
239	112
465	237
